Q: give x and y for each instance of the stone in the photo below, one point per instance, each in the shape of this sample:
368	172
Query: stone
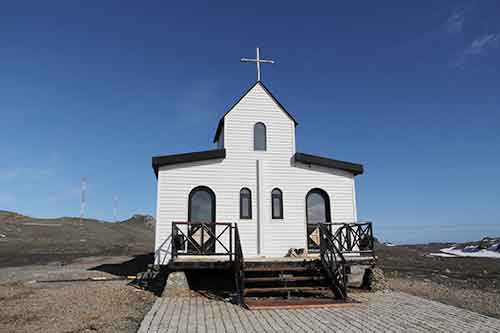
355	278
177	285
379	282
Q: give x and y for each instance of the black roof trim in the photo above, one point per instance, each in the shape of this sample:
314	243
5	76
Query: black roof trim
159	161
221	121
355	168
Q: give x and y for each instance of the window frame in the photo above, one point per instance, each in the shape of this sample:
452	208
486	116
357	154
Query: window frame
212	198
326	200
249	216
255	136
281	210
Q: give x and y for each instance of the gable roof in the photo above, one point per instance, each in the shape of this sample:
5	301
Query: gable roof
354	168
159	161
221	121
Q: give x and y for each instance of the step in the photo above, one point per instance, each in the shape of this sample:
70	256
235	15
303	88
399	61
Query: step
284	279
285	289
298	303
282	262
280	269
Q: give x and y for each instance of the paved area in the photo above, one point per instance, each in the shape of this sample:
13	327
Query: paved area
379	312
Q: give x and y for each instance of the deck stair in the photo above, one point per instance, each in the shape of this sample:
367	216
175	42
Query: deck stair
261	284
293	280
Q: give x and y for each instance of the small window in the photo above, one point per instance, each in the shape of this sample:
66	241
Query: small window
259	137
245	203
277	203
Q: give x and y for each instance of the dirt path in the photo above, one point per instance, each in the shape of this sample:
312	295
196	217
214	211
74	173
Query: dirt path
111	306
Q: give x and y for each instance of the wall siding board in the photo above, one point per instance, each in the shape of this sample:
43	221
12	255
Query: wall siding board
226	178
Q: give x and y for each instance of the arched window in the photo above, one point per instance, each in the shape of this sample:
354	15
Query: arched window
201	208
259	137
277	203
317	211
318	206
245	203
201	205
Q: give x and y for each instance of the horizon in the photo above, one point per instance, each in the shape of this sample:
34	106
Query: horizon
408	90
148	215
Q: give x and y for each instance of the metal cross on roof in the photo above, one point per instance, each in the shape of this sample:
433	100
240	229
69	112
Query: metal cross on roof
258	61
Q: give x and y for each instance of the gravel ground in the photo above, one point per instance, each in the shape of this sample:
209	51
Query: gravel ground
106	306
485	302
469	283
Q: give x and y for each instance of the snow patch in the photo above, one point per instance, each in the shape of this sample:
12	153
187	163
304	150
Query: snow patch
440	254
469	248
494	247
471	251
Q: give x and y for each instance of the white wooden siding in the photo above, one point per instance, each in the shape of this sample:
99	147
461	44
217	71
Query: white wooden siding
226	177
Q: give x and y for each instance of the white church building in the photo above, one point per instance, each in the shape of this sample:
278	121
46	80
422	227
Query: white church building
255	178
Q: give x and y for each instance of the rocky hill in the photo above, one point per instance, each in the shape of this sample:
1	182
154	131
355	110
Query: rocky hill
29	240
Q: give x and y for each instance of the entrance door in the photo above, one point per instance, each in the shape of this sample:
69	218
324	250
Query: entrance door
317	211
201	209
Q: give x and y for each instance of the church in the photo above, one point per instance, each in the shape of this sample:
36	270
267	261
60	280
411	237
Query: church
253	181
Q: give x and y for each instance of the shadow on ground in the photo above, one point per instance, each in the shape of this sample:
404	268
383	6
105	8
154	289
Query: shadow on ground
133	266
138	267
212	283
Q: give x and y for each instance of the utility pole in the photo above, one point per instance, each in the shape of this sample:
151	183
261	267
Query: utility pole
115	208
82	199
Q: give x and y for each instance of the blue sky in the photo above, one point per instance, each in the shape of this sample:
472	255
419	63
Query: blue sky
409	89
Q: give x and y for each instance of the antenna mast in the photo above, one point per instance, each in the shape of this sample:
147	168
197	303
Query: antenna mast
115	208
82	198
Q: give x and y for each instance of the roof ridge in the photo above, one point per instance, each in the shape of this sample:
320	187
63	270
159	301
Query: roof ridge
221	121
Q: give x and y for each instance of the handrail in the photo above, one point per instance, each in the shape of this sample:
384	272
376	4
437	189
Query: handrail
198	222
333	262
183	243
351	237
354	237
238	266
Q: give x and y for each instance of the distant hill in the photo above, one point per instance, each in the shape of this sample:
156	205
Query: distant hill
29	240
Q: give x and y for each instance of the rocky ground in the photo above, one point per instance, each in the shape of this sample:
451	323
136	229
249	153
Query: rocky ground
26	240
34	250
105	306
470	283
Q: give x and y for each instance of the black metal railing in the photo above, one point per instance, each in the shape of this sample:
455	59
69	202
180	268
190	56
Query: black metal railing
238	265
202	238
354	237
333	262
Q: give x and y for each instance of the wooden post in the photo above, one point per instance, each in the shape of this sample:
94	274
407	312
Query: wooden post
174	240
231	243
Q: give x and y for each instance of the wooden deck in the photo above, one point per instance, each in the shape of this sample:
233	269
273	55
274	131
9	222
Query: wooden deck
387	311
223	262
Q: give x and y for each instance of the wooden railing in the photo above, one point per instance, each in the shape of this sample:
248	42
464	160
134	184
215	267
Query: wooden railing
333	262
238	265
353	237
202	238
